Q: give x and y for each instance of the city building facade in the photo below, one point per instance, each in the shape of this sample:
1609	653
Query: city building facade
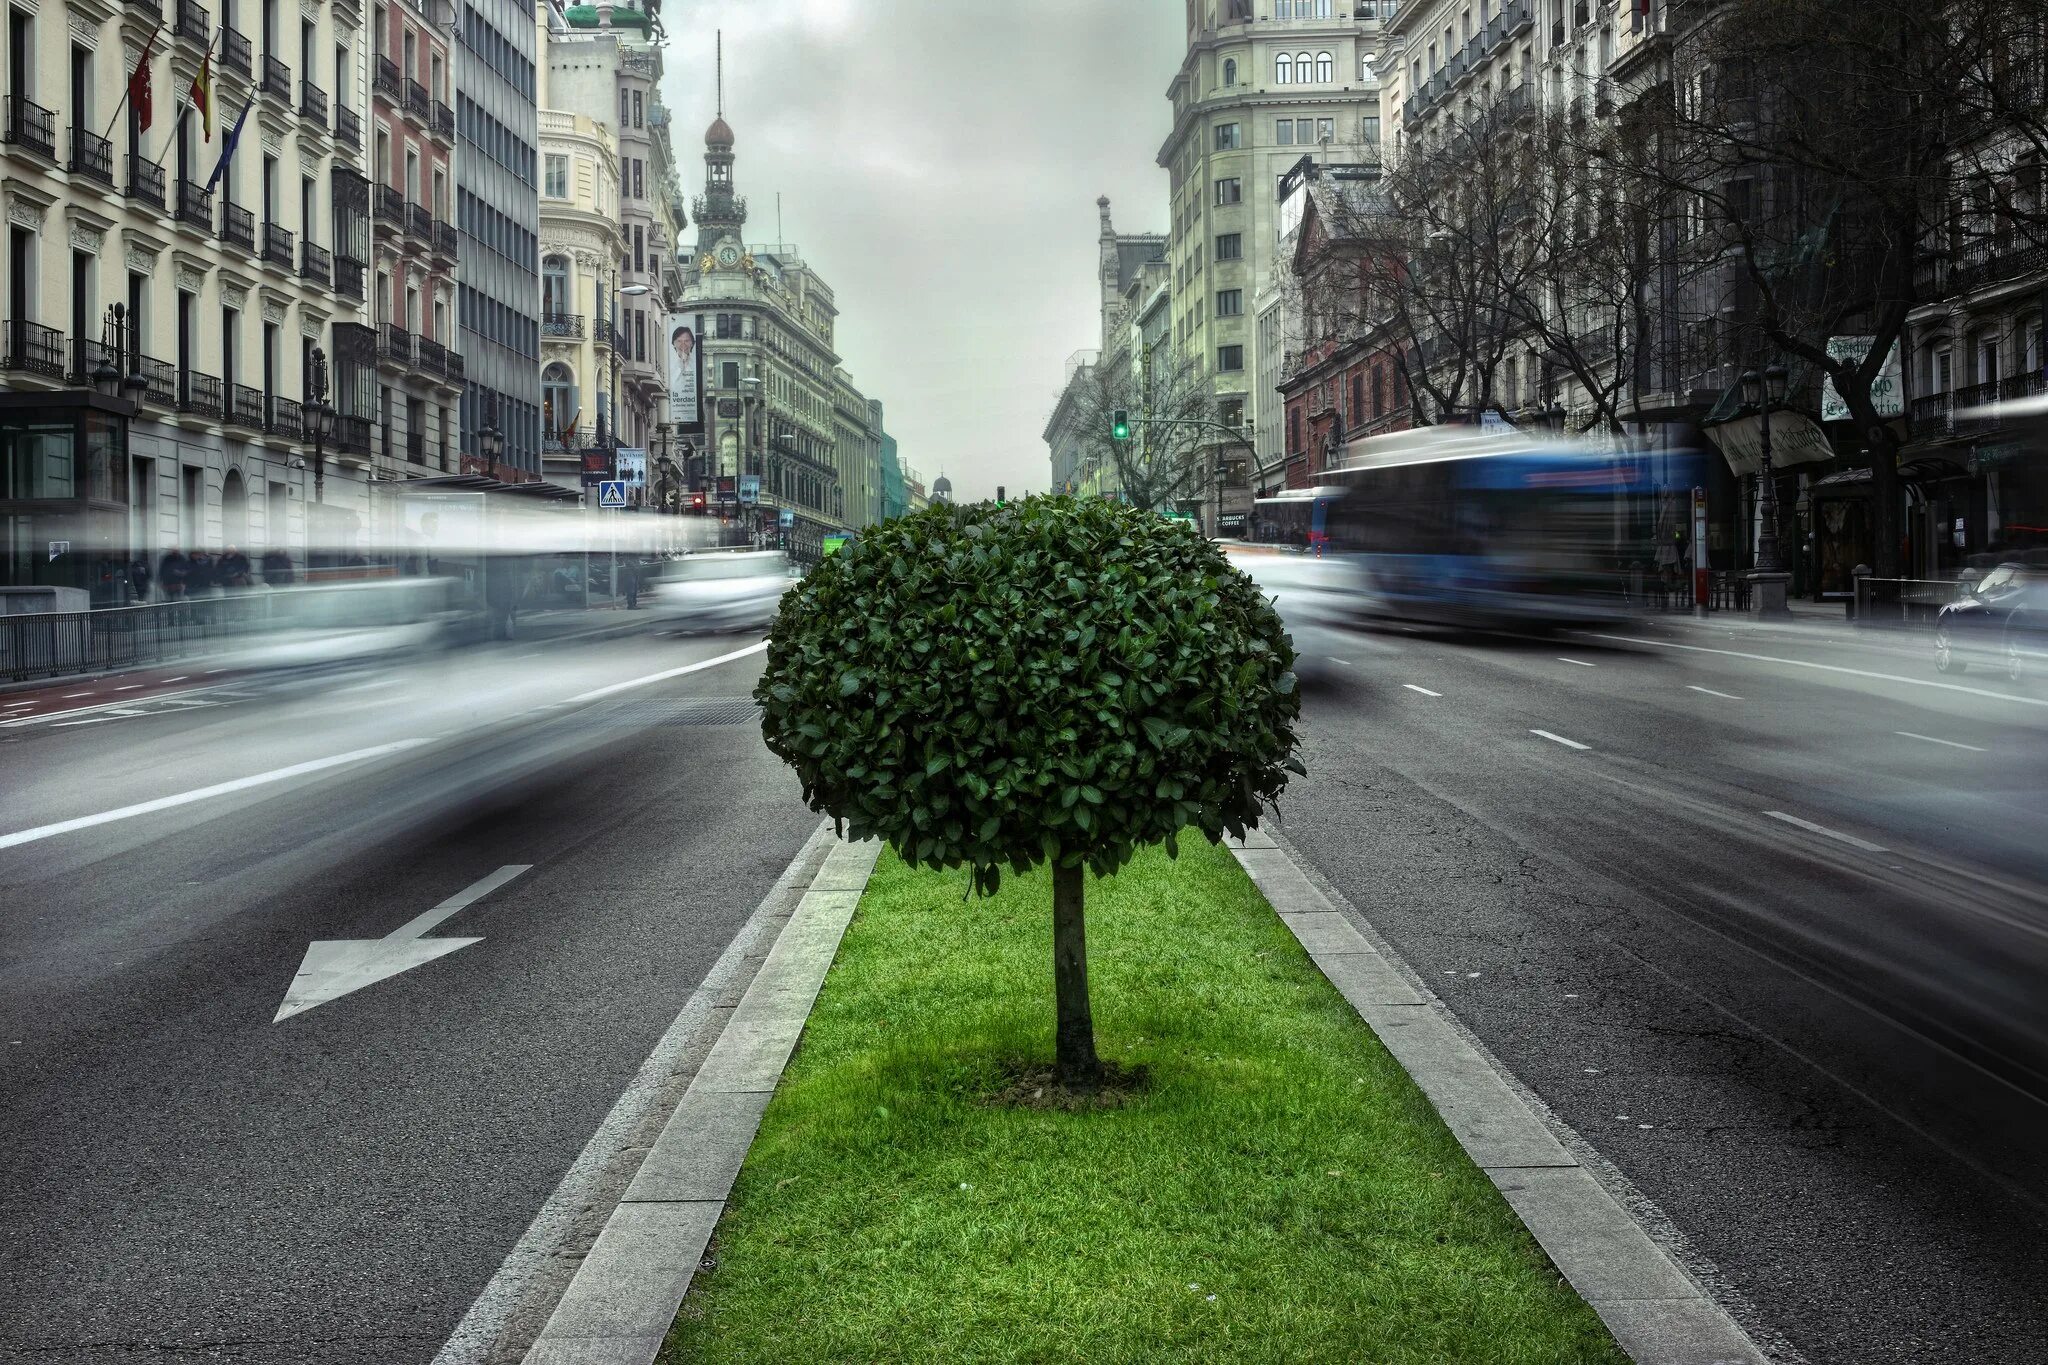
187	231
1263	82
580	237
497	191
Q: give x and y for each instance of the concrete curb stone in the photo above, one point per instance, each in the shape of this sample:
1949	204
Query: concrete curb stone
618	1308
1658	1313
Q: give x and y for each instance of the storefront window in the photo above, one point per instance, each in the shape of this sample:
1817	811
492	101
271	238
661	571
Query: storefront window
36	461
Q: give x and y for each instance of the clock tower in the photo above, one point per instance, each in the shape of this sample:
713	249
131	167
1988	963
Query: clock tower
721	215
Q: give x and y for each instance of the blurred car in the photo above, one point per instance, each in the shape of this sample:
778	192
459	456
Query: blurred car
721	590
2000	618
341	623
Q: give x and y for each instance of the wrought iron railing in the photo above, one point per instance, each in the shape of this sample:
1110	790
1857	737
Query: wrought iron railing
194	23
348	278
152	10
237	226
453	367
351	434
433	356
444	121
387	205
277	245
396	342
163	380
277	78
315	263
235	53
420	223
447	240
85	360
145	181
32	126
195	204
246	408
199	393
348	126
387	81
417	102
34	348
285	418
92	156
312	102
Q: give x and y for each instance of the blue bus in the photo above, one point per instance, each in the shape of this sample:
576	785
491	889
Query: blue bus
1459	527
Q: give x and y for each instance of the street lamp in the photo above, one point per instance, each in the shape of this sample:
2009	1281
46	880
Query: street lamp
630	291
1765	392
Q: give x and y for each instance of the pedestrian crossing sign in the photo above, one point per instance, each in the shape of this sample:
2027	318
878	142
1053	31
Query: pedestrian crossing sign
611	493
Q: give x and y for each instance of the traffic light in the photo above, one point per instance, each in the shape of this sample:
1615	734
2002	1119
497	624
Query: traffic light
1120	425
697	502
999	495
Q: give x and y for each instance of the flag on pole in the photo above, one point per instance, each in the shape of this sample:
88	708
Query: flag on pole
201	94
138	83
227	146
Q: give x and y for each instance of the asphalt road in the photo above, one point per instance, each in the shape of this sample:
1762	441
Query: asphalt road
1760	913
182	1176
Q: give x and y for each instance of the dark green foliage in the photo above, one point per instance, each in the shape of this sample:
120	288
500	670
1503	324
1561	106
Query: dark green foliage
1057	678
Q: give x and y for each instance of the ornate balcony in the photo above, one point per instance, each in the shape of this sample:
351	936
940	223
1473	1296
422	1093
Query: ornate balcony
145	181
351	434
151	10
348	127
277	78
34	348
195	205
312	103
194	23
420	223
387	82
31	126
444	122
316	264
234	52
285	418
417	105
237	226
395	343
447	241
246	407
92	156
433	356
387	205
277	245
163	381
348	279
199	393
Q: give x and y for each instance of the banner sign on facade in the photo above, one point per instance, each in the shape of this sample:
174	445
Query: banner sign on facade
633	467
750	489
1887	393
685	370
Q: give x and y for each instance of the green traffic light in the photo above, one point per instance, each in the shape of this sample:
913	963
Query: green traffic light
1120	425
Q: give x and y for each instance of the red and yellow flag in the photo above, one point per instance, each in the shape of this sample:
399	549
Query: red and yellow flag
201	94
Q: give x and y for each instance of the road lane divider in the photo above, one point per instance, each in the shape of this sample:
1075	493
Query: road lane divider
1724	696
336	967
107	817
1945	743
666	674
1827	833
1828	668
1580	662
1560	739
1423	690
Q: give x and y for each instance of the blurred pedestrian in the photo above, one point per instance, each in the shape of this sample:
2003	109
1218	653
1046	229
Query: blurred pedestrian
200	578
138	577
234	569
629	581
277	568
175	574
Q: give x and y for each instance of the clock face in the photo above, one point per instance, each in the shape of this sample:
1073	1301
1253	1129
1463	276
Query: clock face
728	254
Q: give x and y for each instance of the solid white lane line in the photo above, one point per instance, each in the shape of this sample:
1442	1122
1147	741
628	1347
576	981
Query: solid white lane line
1829	668
131	687
1835	834
211	671
1346	662
1560	739
1725	696
1580	662
1948	743
69	695
666	674
29	836
1423	690
180	678
96	720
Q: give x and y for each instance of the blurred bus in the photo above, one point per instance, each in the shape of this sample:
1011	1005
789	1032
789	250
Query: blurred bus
1459	527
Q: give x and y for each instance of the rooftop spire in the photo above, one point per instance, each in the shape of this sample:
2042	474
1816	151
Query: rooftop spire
721	73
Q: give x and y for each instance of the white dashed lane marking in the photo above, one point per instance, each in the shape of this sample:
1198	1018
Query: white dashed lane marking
1423	690
1825	832
1560	739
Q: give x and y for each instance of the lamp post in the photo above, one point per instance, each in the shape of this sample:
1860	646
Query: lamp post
1764	392
613	293
319	421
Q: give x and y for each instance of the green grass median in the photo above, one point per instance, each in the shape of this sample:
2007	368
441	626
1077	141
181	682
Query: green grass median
1275	1188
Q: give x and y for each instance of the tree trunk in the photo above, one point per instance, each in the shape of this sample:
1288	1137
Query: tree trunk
1075	1063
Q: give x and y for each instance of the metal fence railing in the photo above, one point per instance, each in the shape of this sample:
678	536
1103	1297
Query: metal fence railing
1902	601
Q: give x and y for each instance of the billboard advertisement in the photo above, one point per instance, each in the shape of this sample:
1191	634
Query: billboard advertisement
750	489
685	353
633	467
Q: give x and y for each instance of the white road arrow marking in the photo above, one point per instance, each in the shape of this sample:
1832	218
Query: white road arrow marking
335	967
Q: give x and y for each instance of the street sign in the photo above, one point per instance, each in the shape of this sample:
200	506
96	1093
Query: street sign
750	489
787	516
611	493
1699	550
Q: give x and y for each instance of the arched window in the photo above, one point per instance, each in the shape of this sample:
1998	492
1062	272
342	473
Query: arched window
554	286
1283	70
1304	68
558	406
1230	71
1326	67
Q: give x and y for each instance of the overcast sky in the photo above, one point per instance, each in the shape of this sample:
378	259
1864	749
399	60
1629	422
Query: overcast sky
939	165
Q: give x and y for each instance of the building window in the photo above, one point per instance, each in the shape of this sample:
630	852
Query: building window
1293	430
1229	303
1230	191
1283	132
1283	69
729	375
1326	130
1369	131
639	111
1230	71
1230	246
557	176
1229	358
1305	131
625	110
554	286
1227	139
1326	67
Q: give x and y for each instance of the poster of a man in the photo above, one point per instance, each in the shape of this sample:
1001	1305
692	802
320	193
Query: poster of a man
684	331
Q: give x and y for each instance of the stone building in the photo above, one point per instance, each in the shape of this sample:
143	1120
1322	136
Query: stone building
182	422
